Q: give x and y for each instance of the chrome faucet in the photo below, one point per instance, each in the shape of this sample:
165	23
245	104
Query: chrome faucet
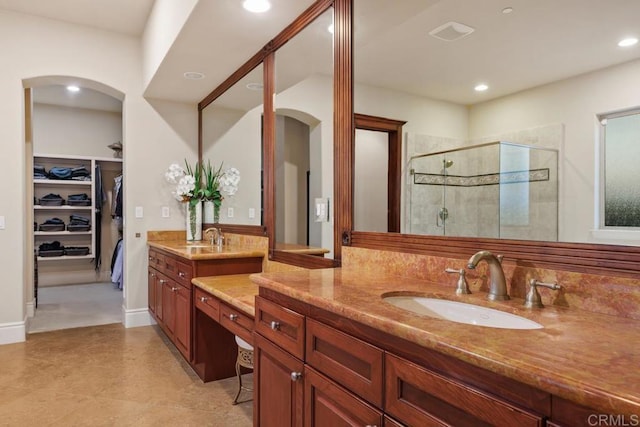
216	236
497	284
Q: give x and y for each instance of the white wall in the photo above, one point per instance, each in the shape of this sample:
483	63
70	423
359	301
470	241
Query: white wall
163	26
575	103
371	173
75	131
153	137
233	138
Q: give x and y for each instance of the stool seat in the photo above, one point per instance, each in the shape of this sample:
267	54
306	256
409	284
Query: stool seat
244	360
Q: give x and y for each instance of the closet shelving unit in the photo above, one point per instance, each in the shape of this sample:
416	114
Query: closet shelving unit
42	187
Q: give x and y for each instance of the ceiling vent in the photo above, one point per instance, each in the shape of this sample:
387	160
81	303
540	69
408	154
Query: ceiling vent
451	31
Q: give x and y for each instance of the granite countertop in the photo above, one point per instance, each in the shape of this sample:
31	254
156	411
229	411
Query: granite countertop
235	289
588	358
202	250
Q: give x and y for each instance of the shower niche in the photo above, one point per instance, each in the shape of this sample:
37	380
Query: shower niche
493	190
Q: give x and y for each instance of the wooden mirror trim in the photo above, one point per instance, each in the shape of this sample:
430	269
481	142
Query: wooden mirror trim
393	128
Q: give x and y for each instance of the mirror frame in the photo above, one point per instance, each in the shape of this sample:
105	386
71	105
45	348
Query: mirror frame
592	258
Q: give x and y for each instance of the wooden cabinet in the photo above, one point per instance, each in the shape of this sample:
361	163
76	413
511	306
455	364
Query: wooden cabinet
352	380
177	307
279	386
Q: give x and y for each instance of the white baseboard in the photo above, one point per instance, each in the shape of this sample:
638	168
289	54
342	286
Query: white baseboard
31	309
137	317
13	332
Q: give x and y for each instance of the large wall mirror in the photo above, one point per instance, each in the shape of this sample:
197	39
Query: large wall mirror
519	159
231	136
304	140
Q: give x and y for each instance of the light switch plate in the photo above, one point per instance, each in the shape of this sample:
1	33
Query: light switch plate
322	210
252	213
139	212
2	222
229	212
165	212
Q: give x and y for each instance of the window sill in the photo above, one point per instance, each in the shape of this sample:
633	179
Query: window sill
628	237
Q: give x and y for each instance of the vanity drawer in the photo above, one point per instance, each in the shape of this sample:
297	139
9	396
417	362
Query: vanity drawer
349	361
417	396
156	260
207	304
280	325
237	322
183	274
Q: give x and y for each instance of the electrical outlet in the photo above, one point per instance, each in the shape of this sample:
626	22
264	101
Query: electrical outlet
139	212
2	222
165	212
252	213
229	212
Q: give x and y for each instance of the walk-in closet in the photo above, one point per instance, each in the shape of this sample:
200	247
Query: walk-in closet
76	201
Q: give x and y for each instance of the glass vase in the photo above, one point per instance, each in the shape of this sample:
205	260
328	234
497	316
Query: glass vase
211	212
194	221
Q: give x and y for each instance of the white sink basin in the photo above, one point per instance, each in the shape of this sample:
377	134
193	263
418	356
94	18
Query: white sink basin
461	312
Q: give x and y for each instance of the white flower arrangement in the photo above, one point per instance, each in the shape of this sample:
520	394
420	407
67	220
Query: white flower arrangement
229	181
187	182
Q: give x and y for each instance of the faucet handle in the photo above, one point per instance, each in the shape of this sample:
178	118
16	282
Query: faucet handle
533	299
500	258
462	285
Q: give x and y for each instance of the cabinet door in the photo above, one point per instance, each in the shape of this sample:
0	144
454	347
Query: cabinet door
327	404
279	388
182	332
169	305
151	285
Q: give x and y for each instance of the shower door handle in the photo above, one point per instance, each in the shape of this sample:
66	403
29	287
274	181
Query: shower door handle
442	214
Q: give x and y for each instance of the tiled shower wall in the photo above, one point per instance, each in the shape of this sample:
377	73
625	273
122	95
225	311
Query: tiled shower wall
476	211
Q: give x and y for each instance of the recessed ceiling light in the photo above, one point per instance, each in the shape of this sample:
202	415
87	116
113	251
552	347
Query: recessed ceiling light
628	42
193	75
72	88
255	86
507	10
256	6
481	87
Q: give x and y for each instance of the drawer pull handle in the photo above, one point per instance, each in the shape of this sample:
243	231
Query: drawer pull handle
181	274
173	289
203	299
233	317
295	376
275	325
163	281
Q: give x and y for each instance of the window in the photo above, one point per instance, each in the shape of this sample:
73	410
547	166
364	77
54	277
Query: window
620	186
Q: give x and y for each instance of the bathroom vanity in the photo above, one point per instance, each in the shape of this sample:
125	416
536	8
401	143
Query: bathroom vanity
172	266
327	348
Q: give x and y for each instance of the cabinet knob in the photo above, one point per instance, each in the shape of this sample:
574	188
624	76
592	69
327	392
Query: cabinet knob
153	274
233	317
173	289
295	376
275	325
181	274
203	299
163	281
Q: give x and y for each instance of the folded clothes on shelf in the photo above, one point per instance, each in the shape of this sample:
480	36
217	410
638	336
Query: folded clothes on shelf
50	249
51	200
39	172
76	250
52	224
78	200
78	219
79	173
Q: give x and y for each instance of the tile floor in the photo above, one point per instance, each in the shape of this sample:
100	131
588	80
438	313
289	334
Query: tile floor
106	376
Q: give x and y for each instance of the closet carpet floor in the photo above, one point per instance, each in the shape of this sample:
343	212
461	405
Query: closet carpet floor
74	306
106	376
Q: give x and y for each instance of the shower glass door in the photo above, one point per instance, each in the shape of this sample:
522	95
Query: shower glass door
428	213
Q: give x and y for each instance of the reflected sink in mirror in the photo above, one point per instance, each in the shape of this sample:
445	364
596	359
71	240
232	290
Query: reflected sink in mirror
459	312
